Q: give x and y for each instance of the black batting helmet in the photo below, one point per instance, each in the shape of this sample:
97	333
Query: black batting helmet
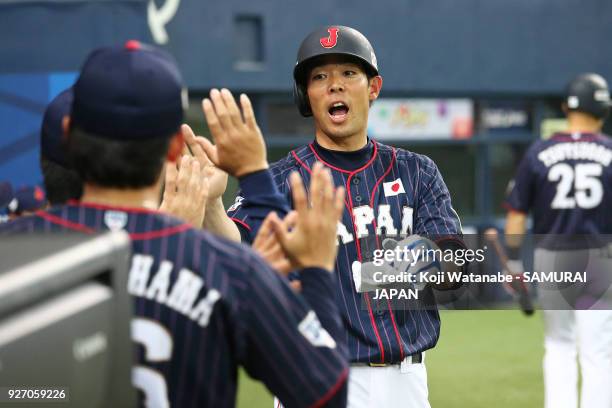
330	40
589	93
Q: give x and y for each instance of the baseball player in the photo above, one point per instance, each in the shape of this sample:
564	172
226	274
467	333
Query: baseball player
564	182
202	305
6	196
390	193
62	183
185	190
25	201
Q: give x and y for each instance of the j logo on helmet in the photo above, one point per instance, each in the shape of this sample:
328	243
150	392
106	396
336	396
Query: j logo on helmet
331	40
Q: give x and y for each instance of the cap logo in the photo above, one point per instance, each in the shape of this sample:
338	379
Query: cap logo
572	102
13	205
601	95
331	40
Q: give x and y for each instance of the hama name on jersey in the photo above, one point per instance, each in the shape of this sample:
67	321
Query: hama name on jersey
396	193
182	297
202	305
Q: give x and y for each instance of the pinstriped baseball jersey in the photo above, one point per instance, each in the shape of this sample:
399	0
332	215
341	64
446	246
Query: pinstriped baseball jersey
396	193
566	181
204	305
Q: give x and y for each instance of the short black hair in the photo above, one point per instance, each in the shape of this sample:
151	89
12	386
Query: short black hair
324	59
120	163
61	183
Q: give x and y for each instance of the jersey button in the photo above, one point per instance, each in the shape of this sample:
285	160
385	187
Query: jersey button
358	199
356	180
380	312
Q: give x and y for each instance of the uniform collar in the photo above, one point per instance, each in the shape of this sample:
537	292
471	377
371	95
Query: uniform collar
347	162
576	136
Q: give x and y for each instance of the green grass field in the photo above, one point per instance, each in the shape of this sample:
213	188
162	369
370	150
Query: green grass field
484	359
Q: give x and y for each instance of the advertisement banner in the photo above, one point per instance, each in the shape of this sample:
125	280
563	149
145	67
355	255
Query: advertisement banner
421	119
505	116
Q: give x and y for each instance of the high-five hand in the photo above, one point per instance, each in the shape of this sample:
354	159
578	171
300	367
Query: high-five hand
186	191
217	178
266	244
312	242
239	147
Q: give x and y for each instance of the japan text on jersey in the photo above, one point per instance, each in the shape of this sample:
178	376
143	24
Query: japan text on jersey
396	193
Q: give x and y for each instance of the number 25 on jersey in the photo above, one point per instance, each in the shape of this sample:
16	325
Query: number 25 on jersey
584	178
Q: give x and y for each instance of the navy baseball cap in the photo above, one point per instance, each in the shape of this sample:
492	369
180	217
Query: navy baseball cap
52	134
30	198
6	193
129	93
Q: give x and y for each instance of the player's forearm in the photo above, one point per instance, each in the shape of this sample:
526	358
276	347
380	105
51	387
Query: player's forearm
318	290
217	221
449	267
515	229
260	197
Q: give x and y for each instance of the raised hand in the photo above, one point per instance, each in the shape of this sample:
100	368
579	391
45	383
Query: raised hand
239	147
266	244
186	191
217	178
312	242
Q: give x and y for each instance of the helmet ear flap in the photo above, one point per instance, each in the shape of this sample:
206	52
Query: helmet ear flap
301	100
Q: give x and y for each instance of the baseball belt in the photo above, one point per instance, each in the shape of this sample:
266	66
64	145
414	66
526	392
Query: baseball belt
411	359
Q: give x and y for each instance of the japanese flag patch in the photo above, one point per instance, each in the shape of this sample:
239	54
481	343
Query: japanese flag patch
393	188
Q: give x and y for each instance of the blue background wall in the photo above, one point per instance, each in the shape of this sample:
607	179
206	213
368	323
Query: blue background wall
523	48
23	98
42	45
443	46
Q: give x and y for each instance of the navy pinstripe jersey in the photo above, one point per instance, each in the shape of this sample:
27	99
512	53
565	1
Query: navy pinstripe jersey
396	193
566	181
204	305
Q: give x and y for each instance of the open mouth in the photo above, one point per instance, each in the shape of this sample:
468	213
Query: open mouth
338	112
